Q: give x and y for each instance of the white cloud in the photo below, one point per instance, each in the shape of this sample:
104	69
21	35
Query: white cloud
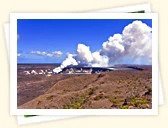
99	60
113	48
48	54
138	40
19	54
84	55
68	61
133	44
57	53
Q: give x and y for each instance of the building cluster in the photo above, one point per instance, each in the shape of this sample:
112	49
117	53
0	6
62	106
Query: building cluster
77	71
68	70
39	72
84	70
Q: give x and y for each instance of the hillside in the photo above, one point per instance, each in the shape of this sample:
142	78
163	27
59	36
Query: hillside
116	89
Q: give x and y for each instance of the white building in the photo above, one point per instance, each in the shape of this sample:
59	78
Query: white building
26	72
34	72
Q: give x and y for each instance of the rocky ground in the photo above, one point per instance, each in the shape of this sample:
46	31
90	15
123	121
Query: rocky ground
115	89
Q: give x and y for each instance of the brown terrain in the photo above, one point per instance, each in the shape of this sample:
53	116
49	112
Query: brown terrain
122	89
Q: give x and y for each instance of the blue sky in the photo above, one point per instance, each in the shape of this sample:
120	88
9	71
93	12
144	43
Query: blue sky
64	35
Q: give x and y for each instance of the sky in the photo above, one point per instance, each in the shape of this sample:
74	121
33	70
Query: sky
50	40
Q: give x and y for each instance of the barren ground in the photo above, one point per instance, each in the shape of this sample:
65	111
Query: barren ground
115	89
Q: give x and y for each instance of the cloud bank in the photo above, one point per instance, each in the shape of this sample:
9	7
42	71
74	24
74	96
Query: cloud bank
48	54
133	45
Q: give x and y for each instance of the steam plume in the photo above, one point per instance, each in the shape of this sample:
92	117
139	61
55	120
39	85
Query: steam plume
68	61
133	45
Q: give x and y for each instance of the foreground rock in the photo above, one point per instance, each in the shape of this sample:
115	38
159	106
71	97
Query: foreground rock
115	89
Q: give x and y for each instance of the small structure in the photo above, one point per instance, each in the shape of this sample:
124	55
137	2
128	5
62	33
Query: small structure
41	72
76	71
26	72
50	72
34	72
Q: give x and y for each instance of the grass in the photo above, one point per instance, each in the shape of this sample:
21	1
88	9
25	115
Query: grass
124	107
79	101
116	101
77	104
138	101
134	102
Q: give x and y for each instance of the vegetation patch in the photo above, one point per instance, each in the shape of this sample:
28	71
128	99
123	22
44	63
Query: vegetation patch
116	101
138	101
124	107
50	97
76	104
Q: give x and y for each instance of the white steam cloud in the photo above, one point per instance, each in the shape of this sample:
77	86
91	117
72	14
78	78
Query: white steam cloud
84	55
68	61
113	48
133	45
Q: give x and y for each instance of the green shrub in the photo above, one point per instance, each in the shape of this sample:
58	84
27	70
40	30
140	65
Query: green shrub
138	101
77	104
124	107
